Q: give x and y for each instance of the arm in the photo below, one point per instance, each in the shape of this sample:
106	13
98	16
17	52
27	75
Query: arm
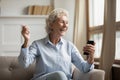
79	62
27	54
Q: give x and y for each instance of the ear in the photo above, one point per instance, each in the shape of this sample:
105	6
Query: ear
51	26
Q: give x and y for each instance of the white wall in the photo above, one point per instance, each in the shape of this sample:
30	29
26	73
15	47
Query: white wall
10	23
19	7
9	8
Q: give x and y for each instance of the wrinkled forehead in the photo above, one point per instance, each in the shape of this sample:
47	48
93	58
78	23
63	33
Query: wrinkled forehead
62	18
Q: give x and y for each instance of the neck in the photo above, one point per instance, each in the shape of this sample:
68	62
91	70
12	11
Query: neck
54	39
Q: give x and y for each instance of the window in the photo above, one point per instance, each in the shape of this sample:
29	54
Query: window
117	10
96	19
96	10
117	55
98	39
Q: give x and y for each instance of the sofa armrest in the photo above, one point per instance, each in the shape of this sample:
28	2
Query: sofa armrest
95	74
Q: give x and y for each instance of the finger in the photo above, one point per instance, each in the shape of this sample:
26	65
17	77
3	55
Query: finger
26	29
90	50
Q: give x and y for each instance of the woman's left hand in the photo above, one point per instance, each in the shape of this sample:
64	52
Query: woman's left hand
91	50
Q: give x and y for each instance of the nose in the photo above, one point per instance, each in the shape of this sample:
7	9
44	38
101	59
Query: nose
65	24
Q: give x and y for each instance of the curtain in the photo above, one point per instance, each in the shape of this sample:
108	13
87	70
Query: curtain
108	45
80	24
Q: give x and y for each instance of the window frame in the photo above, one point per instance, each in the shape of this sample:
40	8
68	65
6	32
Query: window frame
98	29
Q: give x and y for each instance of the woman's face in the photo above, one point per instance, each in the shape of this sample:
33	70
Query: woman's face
60	26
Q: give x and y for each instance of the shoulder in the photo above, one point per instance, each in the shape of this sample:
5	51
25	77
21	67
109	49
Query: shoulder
71	45
38	41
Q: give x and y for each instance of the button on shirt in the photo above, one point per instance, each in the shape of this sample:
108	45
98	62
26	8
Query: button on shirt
50	57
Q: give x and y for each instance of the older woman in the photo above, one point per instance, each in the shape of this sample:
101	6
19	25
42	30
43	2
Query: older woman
54	56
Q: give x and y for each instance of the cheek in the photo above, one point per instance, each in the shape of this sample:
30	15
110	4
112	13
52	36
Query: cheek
55	28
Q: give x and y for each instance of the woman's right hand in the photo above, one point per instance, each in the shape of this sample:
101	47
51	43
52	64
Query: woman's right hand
26	34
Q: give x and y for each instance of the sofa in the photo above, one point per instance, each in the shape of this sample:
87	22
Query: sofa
11	70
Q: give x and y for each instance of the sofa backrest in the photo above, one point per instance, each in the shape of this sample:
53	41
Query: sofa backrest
11	70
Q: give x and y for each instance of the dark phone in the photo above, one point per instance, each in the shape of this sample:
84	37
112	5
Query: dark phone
89	42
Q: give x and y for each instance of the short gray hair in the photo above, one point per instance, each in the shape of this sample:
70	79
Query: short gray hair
56	13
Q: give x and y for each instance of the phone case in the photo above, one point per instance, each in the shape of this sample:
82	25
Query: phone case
89	42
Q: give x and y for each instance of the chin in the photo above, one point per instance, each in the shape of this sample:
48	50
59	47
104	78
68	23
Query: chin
62	34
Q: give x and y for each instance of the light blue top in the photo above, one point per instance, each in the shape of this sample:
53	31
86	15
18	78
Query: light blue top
50	57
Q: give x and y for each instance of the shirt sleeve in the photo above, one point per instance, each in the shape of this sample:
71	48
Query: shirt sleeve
27	55
79	62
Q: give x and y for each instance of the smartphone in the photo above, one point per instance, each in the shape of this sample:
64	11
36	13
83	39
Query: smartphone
89	42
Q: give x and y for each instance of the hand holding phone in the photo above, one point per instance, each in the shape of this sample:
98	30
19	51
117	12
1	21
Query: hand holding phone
89	42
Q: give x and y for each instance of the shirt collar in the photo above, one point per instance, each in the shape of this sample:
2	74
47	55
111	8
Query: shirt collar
47	40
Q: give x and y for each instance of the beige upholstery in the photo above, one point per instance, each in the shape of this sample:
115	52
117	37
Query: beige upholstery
95	74
11	70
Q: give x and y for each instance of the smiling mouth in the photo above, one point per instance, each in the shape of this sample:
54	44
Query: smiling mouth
63	29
